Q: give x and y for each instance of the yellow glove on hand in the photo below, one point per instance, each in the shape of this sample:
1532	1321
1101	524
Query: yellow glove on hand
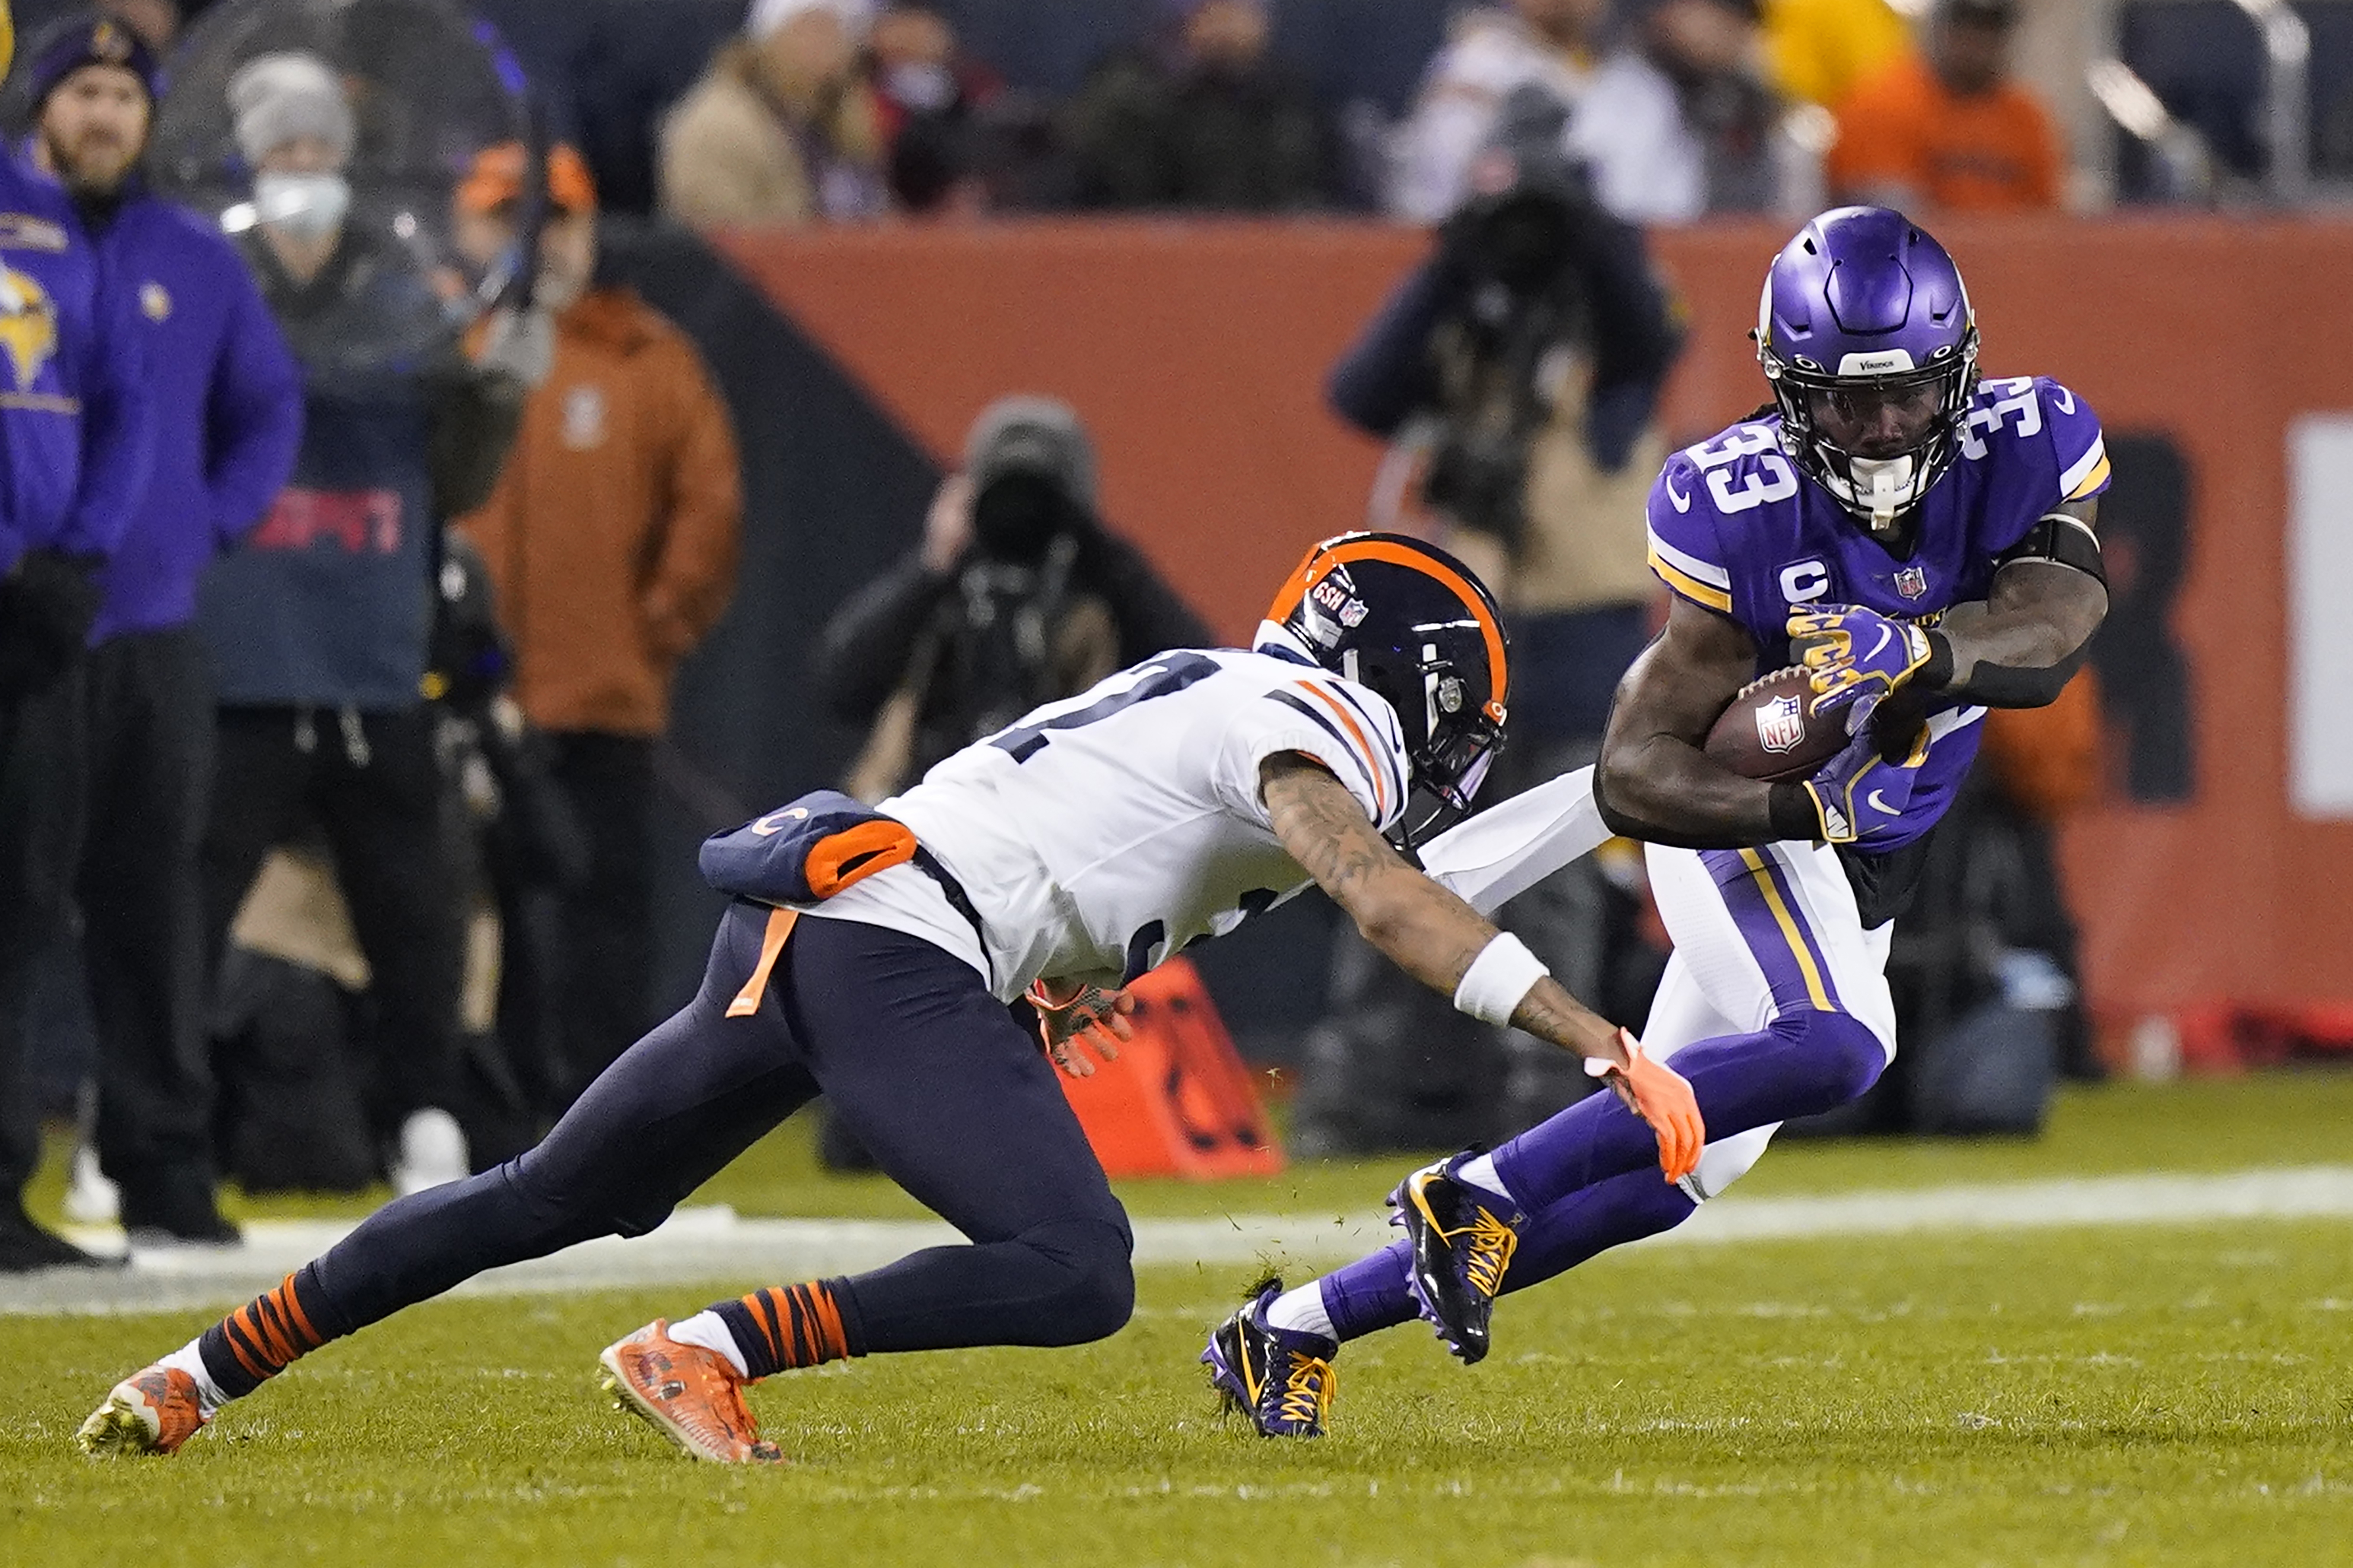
1848	649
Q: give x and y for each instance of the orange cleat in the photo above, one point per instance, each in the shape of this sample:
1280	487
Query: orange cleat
151	1411
692	1395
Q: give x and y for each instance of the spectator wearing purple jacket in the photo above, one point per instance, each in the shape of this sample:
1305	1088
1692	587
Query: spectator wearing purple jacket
227	416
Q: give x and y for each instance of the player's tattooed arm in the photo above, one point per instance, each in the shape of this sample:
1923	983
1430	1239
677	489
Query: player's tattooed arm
1423	928
1654	781
2021	644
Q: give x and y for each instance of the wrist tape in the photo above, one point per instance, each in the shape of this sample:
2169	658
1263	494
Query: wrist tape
1499	980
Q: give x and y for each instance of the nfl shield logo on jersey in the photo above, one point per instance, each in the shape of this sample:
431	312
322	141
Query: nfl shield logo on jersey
1780	726
1911	582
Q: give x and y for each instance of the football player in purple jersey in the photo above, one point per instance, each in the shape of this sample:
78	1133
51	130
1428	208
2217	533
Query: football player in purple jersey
1921	540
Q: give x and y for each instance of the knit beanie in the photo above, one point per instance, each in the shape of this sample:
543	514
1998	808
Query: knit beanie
1037	436
280	98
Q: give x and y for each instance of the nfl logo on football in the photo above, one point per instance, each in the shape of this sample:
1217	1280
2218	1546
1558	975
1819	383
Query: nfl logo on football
1780	725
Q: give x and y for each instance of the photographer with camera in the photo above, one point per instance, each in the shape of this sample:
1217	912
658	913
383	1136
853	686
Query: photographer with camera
1516	374
1019	596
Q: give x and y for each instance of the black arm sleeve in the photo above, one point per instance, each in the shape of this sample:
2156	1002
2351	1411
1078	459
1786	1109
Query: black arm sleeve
2068	540
1792	809
1151	617
863	653
2008	686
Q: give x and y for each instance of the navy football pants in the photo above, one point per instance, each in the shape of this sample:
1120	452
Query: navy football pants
929	1071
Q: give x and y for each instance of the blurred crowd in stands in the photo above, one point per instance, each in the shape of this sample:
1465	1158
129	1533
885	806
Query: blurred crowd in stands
827	110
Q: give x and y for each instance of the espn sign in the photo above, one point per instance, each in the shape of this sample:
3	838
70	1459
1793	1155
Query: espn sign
2320	641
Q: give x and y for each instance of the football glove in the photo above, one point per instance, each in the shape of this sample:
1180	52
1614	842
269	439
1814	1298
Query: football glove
1859	792
1662	1097
1848	649
1099	1015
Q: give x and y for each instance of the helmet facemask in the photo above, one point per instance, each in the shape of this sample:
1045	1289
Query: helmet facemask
1453	735
1882	490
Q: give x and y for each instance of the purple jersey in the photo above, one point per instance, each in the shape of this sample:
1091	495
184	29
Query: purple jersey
1735	528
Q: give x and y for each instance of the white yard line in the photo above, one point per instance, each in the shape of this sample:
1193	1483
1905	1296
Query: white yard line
715	1243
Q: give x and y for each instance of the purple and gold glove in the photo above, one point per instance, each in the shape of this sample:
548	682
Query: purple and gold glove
1859	792
1847	649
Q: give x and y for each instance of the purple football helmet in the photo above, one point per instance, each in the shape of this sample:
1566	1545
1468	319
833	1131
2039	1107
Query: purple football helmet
1866	336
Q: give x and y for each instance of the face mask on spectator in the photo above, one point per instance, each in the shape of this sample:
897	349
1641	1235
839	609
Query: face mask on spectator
305	207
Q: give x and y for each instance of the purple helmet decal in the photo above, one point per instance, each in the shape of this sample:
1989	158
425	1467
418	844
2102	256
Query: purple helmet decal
1866	333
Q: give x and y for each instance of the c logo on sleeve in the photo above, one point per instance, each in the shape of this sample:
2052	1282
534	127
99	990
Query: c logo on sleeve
1805	582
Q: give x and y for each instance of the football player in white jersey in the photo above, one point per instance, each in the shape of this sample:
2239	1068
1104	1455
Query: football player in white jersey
871	956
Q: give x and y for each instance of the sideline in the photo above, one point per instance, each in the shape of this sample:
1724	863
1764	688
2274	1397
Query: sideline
716	1244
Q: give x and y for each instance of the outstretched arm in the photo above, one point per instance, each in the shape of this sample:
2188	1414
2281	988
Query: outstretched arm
1435	937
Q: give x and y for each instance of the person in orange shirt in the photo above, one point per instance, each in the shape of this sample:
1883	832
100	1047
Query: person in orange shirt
1951	129
611	544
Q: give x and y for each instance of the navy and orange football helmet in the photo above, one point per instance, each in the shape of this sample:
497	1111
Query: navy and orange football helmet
1413	625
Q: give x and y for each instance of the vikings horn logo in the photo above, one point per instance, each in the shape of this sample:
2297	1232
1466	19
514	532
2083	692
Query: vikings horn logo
28	325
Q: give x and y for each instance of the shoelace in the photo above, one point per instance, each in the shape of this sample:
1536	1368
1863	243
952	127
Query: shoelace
1491	1245
1308	1392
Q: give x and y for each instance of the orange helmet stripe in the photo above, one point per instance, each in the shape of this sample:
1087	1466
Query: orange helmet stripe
1498	674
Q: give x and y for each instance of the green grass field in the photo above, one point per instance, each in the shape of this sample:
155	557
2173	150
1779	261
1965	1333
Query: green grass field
2154	1394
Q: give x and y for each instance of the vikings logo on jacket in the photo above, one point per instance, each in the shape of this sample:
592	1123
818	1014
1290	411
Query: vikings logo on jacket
29	326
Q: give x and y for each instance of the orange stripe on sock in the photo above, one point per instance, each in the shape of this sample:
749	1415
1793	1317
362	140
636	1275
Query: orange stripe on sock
835	1341
764	1318
772	943
291	1305
257	1330
280	1342
282	1322
803	1350
236	1346
265	1338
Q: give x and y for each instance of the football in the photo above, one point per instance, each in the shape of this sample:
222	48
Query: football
1767	733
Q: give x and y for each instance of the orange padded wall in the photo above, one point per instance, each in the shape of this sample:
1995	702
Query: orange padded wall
1196	352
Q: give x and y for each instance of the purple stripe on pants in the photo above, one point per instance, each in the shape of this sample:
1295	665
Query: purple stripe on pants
1745	895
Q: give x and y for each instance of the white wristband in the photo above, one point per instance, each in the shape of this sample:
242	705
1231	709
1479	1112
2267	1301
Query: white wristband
1499	980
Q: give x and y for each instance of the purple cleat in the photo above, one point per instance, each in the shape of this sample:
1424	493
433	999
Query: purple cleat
1463	1237
1280	1379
